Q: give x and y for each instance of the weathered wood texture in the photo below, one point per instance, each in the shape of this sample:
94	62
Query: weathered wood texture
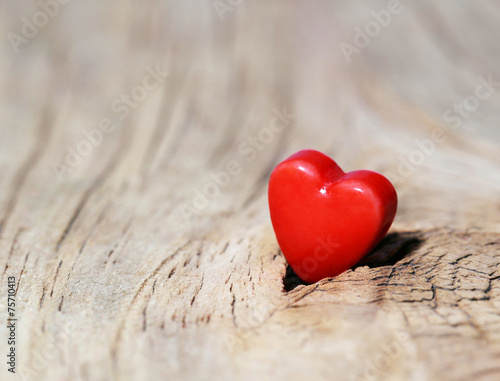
116	282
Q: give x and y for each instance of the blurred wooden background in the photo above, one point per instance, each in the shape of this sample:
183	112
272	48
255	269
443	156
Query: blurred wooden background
132	263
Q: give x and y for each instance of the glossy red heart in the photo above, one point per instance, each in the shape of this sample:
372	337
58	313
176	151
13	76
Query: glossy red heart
326	220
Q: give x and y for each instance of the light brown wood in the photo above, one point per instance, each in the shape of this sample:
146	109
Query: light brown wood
124	271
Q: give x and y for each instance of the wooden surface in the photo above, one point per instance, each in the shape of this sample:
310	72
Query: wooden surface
123	271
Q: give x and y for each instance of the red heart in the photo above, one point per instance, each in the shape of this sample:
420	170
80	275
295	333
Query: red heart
326	220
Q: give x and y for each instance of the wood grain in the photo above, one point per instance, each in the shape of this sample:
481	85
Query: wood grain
150	256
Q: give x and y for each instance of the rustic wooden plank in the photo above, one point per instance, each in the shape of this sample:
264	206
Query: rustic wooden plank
124	271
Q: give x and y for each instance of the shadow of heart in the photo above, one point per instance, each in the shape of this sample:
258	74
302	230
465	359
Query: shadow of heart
393	248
